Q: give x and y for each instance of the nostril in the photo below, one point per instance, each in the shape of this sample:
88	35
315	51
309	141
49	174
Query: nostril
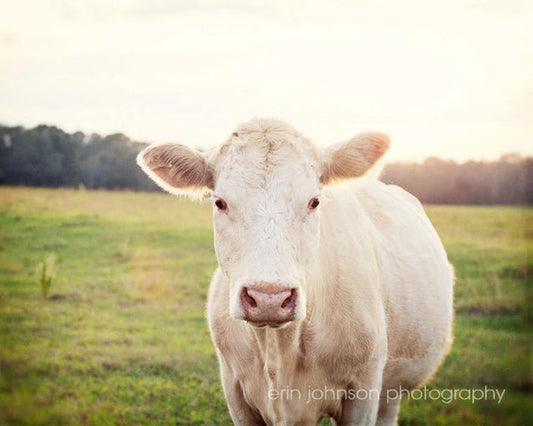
290	302
247	299
268	304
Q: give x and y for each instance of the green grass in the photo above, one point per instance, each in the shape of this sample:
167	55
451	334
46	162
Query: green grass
121	337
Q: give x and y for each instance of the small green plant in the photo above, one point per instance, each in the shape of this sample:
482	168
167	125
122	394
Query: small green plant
46	273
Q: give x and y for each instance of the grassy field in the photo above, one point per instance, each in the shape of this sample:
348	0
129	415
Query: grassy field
121	337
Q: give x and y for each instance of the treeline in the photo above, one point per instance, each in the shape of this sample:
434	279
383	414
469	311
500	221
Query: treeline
48	156
437	181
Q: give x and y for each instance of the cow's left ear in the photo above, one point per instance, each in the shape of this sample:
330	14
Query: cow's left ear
353	158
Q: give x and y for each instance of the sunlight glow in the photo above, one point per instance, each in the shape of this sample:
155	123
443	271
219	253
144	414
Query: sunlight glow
446	78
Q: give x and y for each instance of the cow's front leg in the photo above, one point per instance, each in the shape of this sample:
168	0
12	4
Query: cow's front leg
361	406
388	411
241	413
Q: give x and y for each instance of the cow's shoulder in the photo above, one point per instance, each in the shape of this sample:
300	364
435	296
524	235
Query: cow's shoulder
388	204
387	196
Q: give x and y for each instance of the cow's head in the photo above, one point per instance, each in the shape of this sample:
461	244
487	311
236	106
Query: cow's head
265	184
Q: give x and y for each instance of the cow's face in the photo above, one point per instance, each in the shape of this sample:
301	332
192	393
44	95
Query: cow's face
265	184
266	219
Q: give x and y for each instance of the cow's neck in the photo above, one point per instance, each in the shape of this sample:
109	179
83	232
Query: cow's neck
282	351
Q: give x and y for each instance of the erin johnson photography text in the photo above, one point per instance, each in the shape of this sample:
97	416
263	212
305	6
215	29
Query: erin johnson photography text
446	396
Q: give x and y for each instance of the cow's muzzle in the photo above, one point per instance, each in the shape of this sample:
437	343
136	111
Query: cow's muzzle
268	305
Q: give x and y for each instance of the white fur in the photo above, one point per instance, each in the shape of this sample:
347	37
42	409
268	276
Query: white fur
374	310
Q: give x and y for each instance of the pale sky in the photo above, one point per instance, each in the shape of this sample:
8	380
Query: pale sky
452	78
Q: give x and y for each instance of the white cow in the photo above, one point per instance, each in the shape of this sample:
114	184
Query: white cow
333	291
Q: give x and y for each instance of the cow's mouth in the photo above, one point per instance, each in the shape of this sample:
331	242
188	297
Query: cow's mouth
269	324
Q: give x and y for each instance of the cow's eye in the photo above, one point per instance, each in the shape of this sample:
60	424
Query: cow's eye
221	204
313	203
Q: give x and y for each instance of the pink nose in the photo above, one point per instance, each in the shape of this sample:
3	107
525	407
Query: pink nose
268	305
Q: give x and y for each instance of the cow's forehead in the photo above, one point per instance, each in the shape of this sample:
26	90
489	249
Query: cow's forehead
261	150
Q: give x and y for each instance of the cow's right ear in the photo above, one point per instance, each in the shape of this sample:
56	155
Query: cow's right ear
177	169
